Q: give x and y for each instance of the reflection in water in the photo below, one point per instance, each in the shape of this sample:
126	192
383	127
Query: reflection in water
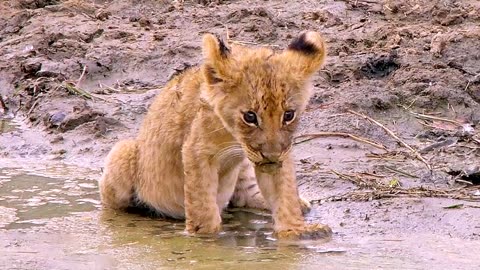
50	218
34	199
247	241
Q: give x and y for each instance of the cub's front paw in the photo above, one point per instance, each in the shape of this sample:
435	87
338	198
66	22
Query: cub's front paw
308	232
204	228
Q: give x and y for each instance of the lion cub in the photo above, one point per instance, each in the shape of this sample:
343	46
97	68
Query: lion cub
238	110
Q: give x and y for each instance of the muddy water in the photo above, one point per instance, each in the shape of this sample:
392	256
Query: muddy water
50	218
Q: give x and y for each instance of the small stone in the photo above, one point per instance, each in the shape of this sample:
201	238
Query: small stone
159	36
31	66
134	18
144	22
57	139
103	15
59	152
57	118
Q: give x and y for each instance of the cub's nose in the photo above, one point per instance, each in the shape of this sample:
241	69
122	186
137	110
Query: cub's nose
271	157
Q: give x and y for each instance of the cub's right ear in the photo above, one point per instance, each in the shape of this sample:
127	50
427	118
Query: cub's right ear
306	54
216	59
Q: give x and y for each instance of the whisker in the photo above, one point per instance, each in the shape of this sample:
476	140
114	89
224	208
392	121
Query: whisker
286	152
231	143
252	153
228	151
218	129
226	155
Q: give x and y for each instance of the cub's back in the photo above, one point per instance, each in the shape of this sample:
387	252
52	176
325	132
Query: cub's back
169	117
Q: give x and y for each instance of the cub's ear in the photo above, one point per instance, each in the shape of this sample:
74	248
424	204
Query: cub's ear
216	59
306	54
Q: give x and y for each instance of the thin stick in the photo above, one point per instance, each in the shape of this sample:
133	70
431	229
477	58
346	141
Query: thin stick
77	91
228	33
81	76
430	117
373	175
113	89
397	192
470	81
475	140
33	107
340	134
417	155
347	177
464	182
399	171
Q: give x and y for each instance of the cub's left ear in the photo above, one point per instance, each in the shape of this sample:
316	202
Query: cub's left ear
216	59
306	54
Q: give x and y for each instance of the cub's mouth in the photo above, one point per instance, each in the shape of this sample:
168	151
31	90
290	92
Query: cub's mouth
268	167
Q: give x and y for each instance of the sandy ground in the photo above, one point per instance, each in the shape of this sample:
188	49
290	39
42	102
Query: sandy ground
411	65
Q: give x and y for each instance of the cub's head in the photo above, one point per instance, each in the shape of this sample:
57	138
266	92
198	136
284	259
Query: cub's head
259	94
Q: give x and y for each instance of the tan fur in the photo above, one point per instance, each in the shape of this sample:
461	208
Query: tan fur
195	151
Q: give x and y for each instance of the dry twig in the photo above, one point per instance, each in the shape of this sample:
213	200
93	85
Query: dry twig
77	85
33	107
392	134
379	190
470	81
77	91
339	134
346	177
399	171
355	179
80	92
431	117
475	139
361	195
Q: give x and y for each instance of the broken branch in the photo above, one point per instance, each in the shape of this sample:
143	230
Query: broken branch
81	76
393	135
430	117
339	134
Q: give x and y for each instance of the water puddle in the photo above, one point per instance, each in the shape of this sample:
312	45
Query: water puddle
50	218
33	199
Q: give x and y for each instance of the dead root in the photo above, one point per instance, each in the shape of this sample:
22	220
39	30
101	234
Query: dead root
35	87
393	135
72	89
372	189
312	136
416	192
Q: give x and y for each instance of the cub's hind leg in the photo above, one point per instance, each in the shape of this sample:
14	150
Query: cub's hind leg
117	183
247	193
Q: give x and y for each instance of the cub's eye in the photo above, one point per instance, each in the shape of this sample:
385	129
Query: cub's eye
288	116
250	118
